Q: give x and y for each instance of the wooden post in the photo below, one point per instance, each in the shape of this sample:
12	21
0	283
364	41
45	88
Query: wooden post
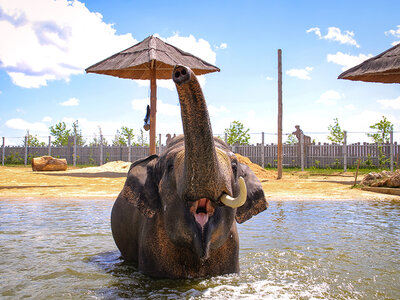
345	150
279	154
129	147
262	151
153	107
302	151
49	152
391	151
358	166
26	151
101	150
4	151
74	160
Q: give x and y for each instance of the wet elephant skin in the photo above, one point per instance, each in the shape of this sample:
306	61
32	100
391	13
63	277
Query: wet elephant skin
169	219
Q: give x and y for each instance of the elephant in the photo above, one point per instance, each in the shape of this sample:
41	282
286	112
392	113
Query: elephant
176	214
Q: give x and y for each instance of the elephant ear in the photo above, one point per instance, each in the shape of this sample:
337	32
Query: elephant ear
255	202
141	189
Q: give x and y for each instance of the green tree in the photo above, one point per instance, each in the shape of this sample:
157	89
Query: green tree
336	134
121	138
96	141
237	134
141	139
33	141
61	134
291	139
382	135
78	132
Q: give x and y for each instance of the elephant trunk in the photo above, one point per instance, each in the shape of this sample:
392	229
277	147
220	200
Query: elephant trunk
202	174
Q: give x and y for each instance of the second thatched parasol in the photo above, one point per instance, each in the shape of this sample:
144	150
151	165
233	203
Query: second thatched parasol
150	59
384	68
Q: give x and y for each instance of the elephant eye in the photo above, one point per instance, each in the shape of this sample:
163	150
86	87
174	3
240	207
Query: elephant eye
170	168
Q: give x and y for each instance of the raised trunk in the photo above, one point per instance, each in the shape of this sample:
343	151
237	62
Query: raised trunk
202	175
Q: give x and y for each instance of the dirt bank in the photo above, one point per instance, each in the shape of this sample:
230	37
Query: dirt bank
107	181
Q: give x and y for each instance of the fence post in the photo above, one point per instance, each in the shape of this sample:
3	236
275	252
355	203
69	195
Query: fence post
262	150
391	151
4	151
302	151
101	150
345	150
74	160
26	151
129	148
49	145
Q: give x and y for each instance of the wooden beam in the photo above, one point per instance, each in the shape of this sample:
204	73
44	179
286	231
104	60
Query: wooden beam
279	114
153	109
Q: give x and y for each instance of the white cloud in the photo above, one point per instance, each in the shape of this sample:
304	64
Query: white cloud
346	60
350	107
222	46
200	48
316	30
70	102
335	34
64	38
162	108
20	124
329	97
216	111
395	33
300	73
47	119
390	103
269	78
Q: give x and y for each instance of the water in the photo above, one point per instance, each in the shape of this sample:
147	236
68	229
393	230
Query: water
295	250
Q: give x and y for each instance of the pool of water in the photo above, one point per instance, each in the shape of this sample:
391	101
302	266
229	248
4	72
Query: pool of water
295	250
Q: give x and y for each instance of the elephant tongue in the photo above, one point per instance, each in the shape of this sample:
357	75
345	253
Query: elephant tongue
201	210
201	218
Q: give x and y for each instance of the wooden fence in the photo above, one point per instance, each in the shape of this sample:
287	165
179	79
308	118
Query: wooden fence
298	155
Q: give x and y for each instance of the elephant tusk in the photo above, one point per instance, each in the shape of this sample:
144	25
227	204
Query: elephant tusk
239	200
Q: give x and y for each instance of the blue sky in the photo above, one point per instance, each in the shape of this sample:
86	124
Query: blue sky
46	45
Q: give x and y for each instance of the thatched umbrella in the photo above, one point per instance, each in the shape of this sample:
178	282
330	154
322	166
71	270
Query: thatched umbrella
150	59
384	67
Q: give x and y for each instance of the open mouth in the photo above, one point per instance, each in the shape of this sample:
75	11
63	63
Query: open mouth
202	210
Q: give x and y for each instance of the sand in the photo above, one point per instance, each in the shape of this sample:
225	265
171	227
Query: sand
107	181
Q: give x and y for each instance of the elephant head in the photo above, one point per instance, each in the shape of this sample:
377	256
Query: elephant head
175	216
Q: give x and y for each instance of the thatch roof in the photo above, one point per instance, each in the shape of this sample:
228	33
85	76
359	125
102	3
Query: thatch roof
384	67
136	61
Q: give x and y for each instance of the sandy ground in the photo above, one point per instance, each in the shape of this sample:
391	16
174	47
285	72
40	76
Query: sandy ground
107	181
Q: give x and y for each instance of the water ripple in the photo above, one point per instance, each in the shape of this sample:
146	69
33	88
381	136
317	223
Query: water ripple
295	250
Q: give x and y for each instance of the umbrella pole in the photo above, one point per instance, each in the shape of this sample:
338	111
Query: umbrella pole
153	110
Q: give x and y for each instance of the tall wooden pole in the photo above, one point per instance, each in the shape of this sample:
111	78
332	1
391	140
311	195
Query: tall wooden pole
153	108
279	114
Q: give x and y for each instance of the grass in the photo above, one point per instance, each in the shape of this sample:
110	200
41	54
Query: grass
327	171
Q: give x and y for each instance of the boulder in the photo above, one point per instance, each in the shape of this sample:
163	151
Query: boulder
394	181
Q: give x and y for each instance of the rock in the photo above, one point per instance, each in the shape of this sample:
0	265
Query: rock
394	181
383	179
370	178
387	173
